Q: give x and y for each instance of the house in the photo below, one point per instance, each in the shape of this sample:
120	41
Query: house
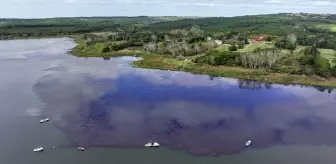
258	38
218	42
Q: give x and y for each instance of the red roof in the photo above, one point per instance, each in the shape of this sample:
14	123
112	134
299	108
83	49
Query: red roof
258	38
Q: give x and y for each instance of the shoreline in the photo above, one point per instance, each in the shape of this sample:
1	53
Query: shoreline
154	61
38	37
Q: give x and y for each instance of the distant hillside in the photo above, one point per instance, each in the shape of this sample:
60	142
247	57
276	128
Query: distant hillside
332	17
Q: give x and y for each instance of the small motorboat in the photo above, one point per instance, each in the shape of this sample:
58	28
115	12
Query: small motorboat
148	145
80	148
155	144
44	120
38	149
248	143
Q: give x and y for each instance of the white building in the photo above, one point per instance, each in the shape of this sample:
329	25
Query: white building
218	42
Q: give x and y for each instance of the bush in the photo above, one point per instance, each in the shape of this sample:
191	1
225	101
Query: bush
333	71
105	49
307	70
233	48
291	46
324	72
307	51
306	60
120	46
201	59
224	58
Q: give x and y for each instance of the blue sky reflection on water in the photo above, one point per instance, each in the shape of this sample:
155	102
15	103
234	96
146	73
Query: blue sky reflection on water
108	103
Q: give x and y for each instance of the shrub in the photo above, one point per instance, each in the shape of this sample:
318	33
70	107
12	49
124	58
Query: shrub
226	58
233	48
333	71
307	70
324	72
291	46
105	49
306	60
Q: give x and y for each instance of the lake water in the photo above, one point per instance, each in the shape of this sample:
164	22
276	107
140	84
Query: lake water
113	109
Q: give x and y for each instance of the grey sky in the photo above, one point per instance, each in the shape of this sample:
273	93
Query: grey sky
65	8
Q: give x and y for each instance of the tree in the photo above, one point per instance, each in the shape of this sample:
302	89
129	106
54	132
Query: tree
233	48
280	43
154	38
150	47
86	44
291	46
268	39
196	49
211	44
241	37
314	51
196	31
307	51
240	45
291	38
218	35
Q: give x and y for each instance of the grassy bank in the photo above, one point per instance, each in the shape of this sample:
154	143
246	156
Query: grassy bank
163	63
152	61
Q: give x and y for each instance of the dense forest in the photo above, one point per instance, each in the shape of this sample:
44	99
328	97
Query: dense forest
301	44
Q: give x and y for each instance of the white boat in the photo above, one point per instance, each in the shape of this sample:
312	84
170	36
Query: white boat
80	148
148	145
155	144
248	143
44	120
38	149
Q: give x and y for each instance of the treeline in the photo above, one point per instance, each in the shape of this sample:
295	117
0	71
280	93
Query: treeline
12	28
174	43
321	37
309	63
265	58
215	24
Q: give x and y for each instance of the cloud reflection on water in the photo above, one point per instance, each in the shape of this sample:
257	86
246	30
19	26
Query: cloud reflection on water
107	103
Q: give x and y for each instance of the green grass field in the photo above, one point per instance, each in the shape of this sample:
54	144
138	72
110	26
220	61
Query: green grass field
331	27
249	47
223	47
330	55
298	51
254	45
